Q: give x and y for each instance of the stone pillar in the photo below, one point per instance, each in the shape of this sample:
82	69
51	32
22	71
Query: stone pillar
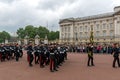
6	41
37	41
26	40
46	40
19	42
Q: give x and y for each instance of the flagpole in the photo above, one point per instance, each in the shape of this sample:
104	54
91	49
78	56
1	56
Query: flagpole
91	36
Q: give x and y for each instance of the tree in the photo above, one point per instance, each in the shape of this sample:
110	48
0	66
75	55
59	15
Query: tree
32	31
53	35
4	35
21	33
42	32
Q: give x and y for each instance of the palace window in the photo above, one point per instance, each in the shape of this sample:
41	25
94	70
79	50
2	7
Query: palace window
80	28
68	36
97	33
104	26
83	28
68	29
80	34
97	27
111	33
111	25
86	34
107	26
75	29
65	29
86	28
104	33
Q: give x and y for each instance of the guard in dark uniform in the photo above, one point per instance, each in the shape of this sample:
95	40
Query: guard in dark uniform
21	51
42	56
47	54
36	54
7	51
17	52
52	59
29	54
90	55
62	55
116	55
2	53
65	51
12	49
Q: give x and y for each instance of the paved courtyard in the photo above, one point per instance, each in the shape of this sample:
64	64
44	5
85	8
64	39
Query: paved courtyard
73	69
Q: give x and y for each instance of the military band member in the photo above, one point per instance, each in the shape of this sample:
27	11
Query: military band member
21	51
12	49
47	54
116	55
7	51
52	60
90	55
2	53
36	54
29	54
42	56
17	52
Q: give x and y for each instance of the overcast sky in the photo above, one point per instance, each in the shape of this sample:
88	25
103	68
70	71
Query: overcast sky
19	13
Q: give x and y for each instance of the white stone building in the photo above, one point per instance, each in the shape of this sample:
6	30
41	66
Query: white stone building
106	28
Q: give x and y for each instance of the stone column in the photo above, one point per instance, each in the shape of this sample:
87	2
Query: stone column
46	40
6	41
37	41
26	39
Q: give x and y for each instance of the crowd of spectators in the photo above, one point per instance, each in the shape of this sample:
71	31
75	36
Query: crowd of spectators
105	49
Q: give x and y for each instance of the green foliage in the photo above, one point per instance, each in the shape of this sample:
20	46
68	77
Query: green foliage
53	35
4	35
21	32
42	31
32	31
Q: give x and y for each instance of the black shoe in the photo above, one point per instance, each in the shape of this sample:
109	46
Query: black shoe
93	65
57	66
51	71
113	66
36	62
55	70
30	65
42	66
60	65
88	65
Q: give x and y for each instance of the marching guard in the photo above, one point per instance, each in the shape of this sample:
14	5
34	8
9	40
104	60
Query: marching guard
17	52
52	59
30	55
36	54
90	55
116	55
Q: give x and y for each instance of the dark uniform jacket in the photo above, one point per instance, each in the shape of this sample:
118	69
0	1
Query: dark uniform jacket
90	51
116	52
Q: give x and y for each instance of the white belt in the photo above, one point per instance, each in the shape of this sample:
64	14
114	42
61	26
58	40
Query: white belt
51	53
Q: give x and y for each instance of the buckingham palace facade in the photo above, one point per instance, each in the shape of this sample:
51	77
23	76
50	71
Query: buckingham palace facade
106	28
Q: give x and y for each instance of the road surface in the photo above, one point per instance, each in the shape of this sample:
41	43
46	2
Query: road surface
75	68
